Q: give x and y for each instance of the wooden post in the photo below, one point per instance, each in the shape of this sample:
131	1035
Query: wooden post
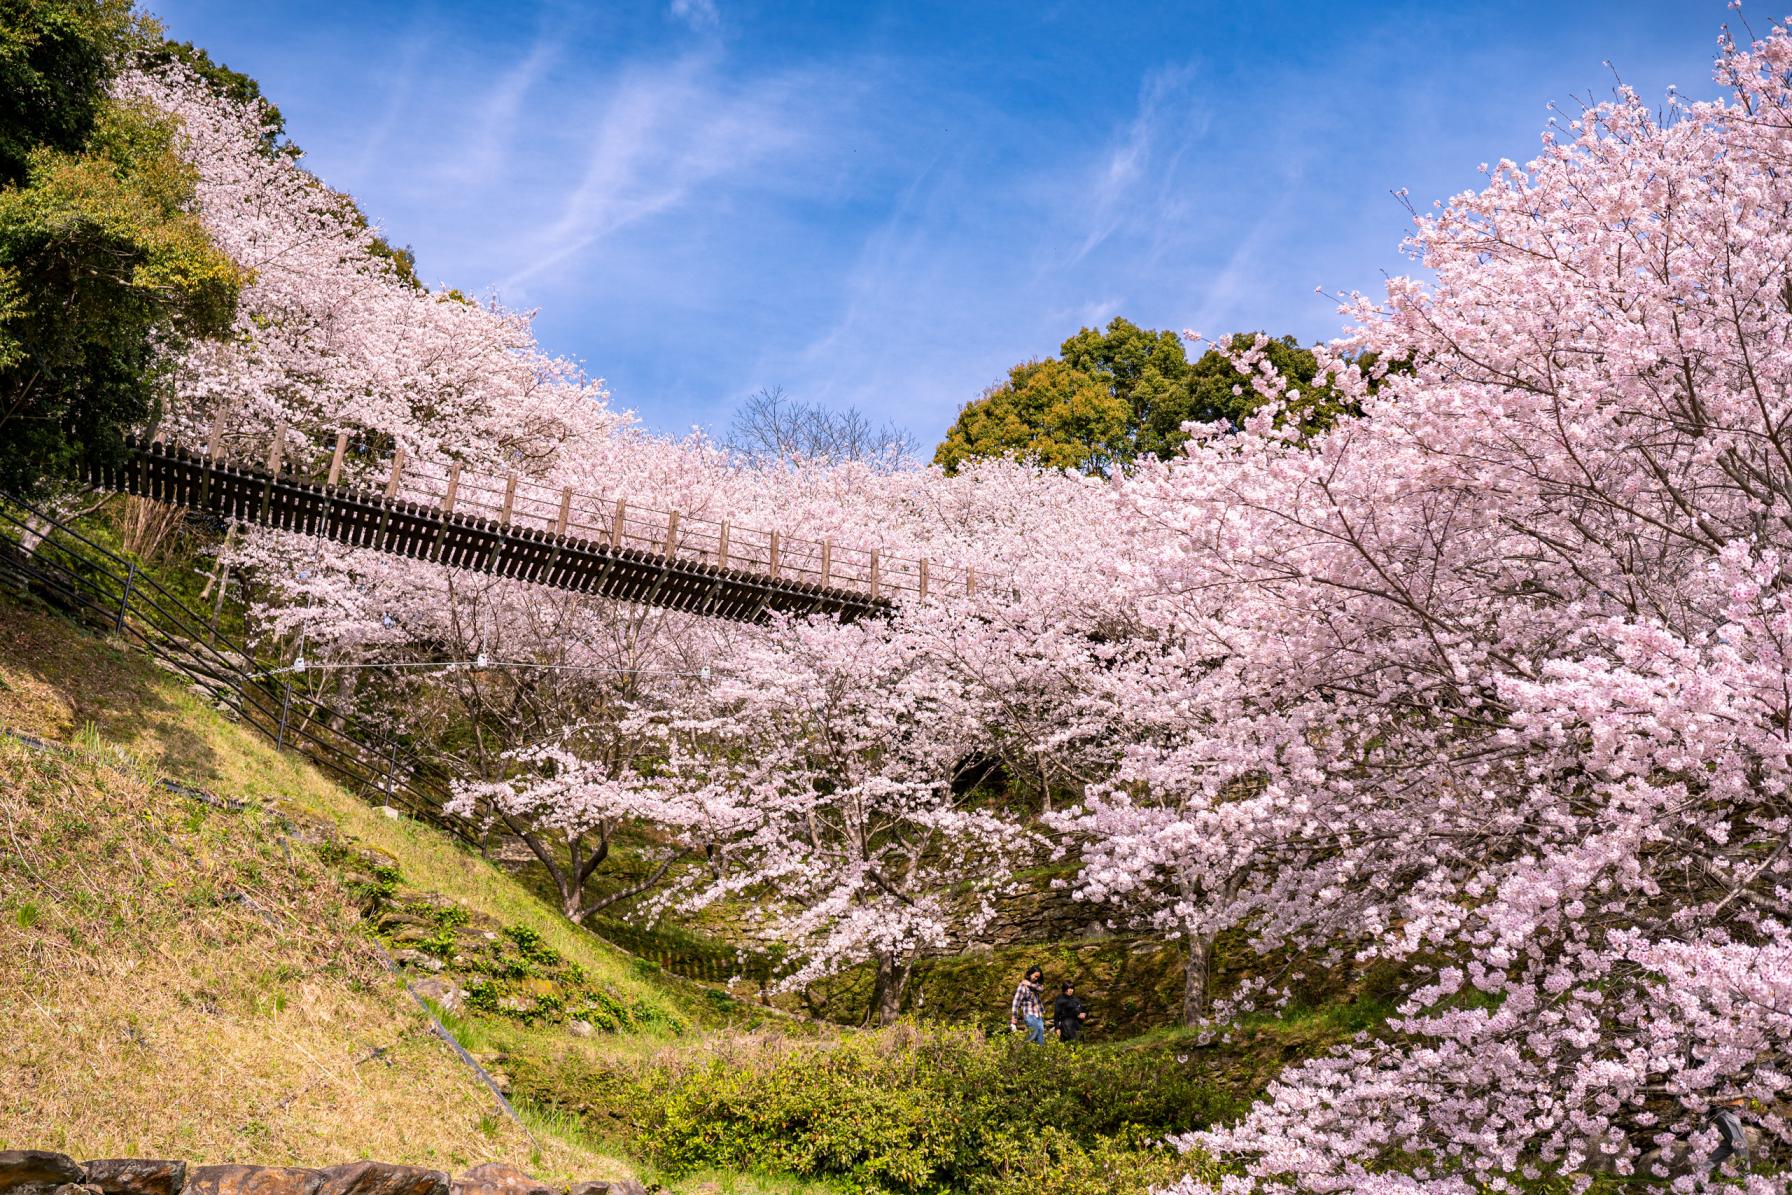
616	522
509	500
970	582
874	574
215	441
722	546
453	488
923	578
565	511
336	457
772	562
672	535
274	454
827	561
279	448
397	471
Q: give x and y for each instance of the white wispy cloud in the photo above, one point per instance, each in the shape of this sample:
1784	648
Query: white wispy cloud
489	141
413	52
660	136
700	15
1133	177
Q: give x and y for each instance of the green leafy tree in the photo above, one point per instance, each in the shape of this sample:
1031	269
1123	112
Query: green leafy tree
104	267
1047	413
55	59
1151	389
1214	390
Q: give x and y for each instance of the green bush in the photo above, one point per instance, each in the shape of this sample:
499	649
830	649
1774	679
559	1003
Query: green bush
1054	1162
910	1111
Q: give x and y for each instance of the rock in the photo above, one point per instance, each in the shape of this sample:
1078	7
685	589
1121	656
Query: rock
387	811
581	1029
31	1169
381	1178
136	1176
495	1178
442	991
252	1180
416	958
75	1189
1096	929
616	1186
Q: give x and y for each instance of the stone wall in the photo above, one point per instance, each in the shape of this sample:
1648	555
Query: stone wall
40	1172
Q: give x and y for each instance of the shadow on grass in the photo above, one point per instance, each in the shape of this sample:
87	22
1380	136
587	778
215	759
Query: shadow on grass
58	678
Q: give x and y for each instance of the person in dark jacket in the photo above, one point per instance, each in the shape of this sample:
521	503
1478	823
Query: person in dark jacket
1068	1014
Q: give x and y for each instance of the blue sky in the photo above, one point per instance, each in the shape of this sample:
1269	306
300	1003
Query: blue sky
886	205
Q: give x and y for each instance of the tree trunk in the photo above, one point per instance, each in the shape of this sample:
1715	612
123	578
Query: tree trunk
886	993
1197	974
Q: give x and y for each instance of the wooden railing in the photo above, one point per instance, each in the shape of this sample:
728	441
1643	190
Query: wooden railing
558	536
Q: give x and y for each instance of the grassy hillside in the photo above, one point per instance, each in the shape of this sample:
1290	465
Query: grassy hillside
191	981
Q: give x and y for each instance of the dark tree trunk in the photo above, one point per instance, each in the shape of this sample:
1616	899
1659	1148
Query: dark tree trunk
886	993
1197	976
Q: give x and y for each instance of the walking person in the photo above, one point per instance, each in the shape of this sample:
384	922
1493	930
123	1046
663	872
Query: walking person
1028	1006
1732	1137
1068	1013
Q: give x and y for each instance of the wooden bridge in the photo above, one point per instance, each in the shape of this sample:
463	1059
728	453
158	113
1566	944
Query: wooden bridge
524	531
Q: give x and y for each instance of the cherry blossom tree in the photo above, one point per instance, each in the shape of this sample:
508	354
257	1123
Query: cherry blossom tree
838	755
1501	663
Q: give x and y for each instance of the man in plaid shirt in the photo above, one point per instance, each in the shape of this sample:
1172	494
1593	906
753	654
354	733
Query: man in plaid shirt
1027	1006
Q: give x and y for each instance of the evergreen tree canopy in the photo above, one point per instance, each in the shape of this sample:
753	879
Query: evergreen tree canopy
1117	394
104	266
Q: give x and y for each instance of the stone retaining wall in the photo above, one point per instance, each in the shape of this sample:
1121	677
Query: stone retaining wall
41	1172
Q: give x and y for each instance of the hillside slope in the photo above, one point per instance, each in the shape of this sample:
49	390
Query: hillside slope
196	981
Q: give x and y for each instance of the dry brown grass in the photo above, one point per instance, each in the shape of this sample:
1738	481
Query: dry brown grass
60	683
186	982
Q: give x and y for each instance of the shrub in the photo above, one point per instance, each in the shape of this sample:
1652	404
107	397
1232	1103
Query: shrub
911	1111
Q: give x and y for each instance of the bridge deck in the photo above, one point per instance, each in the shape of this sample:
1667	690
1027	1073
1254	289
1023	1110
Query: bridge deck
367	519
